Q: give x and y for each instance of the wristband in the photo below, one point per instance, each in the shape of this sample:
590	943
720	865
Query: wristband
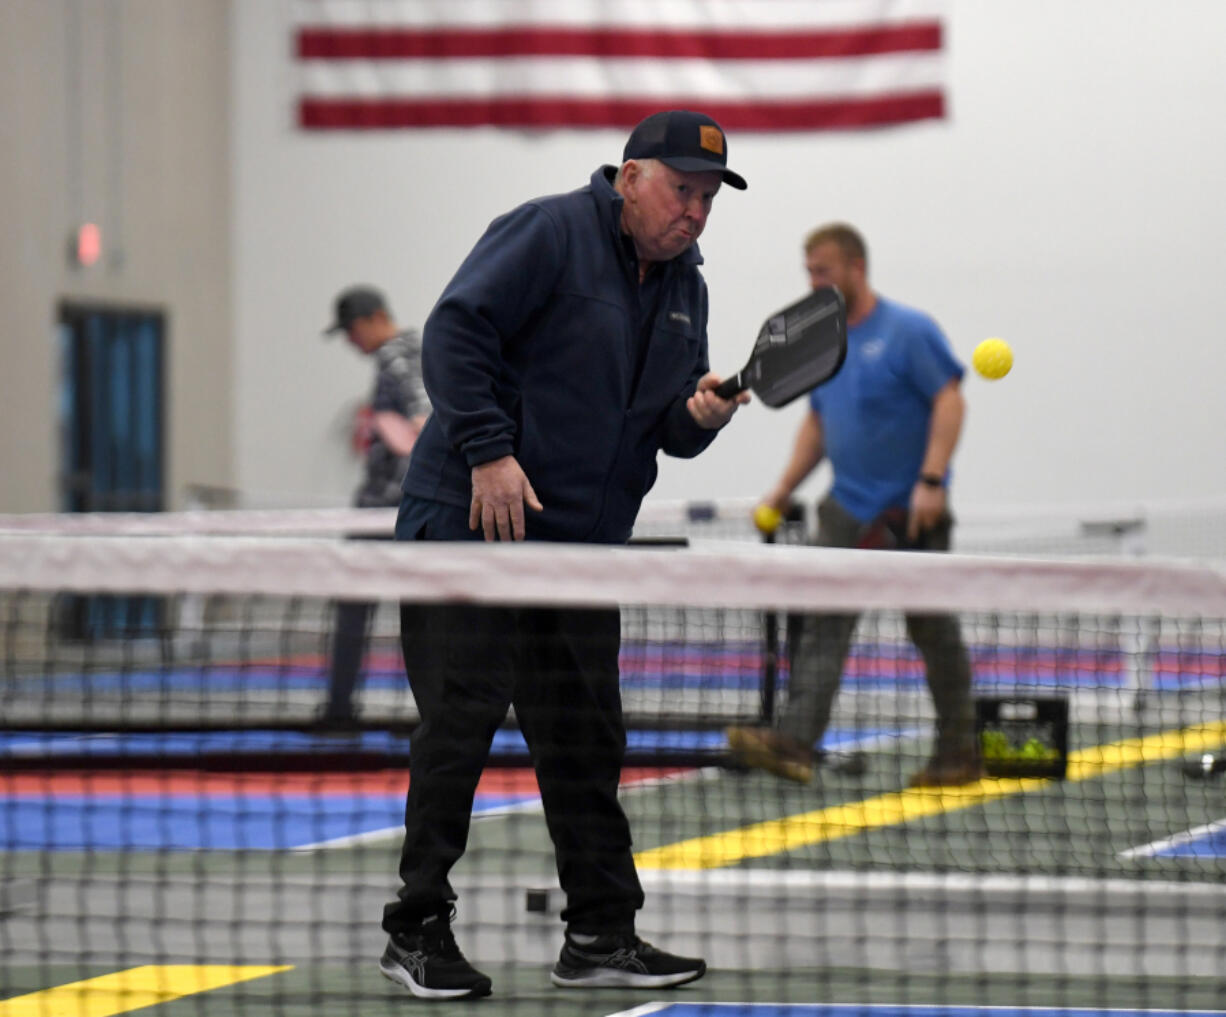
932	480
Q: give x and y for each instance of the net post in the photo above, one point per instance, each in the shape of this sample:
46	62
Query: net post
793	523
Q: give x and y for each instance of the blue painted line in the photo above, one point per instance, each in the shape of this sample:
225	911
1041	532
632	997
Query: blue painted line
188	744
906	676
507	743
901	1010
213	679
731	665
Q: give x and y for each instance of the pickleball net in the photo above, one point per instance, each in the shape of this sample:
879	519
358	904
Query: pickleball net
170	808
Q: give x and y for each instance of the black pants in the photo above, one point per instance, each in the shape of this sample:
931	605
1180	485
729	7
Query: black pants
558	667
350	633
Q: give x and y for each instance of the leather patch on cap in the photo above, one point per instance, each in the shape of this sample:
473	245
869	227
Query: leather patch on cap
711	138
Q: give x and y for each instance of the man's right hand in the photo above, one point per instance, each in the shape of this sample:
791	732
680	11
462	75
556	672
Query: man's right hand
500	492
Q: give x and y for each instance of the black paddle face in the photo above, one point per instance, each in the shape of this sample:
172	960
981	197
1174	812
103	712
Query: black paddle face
797	349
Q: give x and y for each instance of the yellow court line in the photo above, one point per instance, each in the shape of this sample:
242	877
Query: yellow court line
776	836
132	989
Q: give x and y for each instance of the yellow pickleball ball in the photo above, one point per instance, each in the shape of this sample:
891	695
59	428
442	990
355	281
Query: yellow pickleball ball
767	518
993	358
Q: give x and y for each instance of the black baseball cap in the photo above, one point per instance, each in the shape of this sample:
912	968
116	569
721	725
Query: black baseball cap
686	141
356	302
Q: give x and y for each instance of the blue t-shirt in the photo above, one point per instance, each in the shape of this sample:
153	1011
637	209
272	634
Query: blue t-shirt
876	411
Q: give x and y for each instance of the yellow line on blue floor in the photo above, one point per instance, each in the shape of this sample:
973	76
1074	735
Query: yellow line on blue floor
777	836
132	989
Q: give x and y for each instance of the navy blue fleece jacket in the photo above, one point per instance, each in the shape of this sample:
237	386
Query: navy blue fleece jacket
533	350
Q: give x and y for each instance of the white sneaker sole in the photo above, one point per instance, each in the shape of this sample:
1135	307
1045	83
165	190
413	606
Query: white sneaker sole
402	978
611	978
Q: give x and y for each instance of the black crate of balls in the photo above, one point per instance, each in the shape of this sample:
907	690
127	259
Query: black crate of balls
1023	736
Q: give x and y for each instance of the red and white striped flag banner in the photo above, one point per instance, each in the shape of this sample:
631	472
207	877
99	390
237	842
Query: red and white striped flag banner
754	65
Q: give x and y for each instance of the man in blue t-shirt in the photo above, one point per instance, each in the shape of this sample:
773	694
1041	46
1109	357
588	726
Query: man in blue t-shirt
888	422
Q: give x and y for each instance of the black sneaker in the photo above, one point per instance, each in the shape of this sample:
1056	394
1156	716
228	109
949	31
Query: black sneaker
622	961
427	962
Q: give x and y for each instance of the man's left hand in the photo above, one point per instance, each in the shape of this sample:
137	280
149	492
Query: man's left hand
927	507
708	409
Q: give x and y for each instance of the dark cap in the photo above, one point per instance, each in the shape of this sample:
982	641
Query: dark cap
354	303
686	141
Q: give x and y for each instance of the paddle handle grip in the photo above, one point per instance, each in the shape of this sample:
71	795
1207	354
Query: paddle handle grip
730	387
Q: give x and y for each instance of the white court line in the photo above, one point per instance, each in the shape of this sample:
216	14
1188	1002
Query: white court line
976	884
349	840
530	805
703	773
369	836
877	741
649	1008
1179	839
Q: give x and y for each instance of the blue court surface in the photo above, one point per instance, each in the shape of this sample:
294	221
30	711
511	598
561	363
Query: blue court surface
1209	844
280	822
185	816
885	1010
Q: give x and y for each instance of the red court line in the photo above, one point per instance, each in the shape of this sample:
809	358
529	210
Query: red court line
495	781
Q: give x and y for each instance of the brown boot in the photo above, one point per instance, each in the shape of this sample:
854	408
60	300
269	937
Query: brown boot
950	770
768	749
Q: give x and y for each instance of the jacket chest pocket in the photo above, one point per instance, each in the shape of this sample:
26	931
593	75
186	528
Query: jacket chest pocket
674	347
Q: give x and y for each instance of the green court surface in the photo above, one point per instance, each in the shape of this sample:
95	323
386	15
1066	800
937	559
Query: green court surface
1003	893
304	993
